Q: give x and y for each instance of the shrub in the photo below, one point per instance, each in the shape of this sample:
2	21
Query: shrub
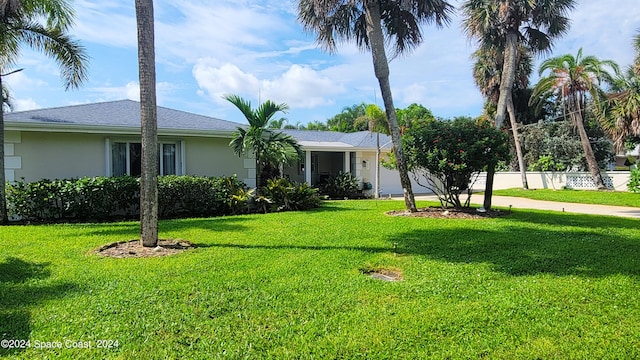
634	181
80	199
340	186
284	195
449	153
105	198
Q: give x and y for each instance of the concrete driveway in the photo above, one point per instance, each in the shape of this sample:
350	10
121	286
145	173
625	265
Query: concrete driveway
523	203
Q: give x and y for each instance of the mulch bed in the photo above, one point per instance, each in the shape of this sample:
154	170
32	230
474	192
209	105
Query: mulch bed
438	212
134	248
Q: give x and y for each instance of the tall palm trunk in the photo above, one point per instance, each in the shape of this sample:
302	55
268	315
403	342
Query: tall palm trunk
381	69
149	124
3	181
516	140
578	122
506	87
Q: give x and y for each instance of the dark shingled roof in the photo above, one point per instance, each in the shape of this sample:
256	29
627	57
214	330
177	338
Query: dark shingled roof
126	114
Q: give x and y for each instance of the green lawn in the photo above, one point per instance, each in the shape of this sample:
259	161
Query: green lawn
616	198
528	285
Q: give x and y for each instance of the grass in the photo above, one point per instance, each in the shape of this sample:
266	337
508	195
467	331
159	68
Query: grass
291	285
615	198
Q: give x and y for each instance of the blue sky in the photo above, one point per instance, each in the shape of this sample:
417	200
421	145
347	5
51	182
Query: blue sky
257	49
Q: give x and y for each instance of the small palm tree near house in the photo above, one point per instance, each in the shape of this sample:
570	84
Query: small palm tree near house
572	79
270	148
376	121
41	25
374	25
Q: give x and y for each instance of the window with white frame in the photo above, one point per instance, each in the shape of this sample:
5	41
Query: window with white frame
126	158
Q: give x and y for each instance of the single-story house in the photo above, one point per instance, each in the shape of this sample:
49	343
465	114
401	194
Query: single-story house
103	139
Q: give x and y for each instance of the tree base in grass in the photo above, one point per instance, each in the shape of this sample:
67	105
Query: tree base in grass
134	248
437	212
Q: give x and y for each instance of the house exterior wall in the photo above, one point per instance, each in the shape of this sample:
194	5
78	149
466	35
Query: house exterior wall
214	157
44	155
58	156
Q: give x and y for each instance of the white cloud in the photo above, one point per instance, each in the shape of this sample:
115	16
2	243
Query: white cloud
299	86
25	104
131	91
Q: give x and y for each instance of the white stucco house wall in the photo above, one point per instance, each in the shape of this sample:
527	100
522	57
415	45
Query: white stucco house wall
103	139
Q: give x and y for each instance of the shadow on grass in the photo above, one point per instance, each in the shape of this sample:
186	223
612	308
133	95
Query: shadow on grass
521	250
132	230
369	249
570	219
17	296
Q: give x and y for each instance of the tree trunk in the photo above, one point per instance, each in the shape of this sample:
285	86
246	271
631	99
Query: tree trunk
3	181
508	76
149	124
578	122
516	140
506	87
381	68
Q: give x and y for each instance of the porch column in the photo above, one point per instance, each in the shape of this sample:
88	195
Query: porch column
307	167
347	162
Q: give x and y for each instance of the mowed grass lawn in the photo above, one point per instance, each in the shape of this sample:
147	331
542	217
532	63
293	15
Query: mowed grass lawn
614	198
291	285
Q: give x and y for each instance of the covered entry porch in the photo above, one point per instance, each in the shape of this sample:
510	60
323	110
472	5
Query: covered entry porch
319	165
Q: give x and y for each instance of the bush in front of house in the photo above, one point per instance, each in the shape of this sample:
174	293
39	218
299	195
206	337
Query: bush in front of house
340	186
196	196
449	155
107	198
281	194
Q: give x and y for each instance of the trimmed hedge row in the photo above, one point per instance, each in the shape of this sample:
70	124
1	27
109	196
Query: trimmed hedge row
109	198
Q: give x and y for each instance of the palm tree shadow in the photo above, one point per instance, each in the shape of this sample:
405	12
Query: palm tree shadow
522	251
18	294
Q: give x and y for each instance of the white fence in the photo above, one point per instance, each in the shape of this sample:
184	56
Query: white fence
615	180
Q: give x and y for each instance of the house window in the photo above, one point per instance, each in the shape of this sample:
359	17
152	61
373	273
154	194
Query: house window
126	158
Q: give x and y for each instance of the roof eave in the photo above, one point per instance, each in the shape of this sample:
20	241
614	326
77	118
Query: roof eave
115	130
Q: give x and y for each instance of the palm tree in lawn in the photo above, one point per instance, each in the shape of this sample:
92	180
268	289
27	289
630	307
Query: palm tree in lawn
619	114
376	122
41	25
149	124
505	24
571	79
373	24
487	72
269	148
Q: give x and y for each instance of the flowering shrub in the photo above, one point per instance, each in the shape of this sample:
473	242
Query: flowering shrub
449	154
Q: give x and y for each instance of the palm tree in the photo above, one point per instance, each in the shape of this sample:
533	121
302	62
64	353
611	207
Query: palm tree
42	25
505	24
619	114
571	79
149	123
376	121
373	24
487	73
270	148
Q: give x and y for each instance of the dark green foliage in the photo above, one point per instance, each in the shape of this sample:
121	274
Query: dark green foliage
340	186
81	199
282	195
106	198
448	154
195	196
555	146
634	181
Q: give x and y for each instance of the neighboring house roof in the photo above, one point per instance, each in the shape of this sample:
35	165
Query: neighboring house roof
123	117
315	139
